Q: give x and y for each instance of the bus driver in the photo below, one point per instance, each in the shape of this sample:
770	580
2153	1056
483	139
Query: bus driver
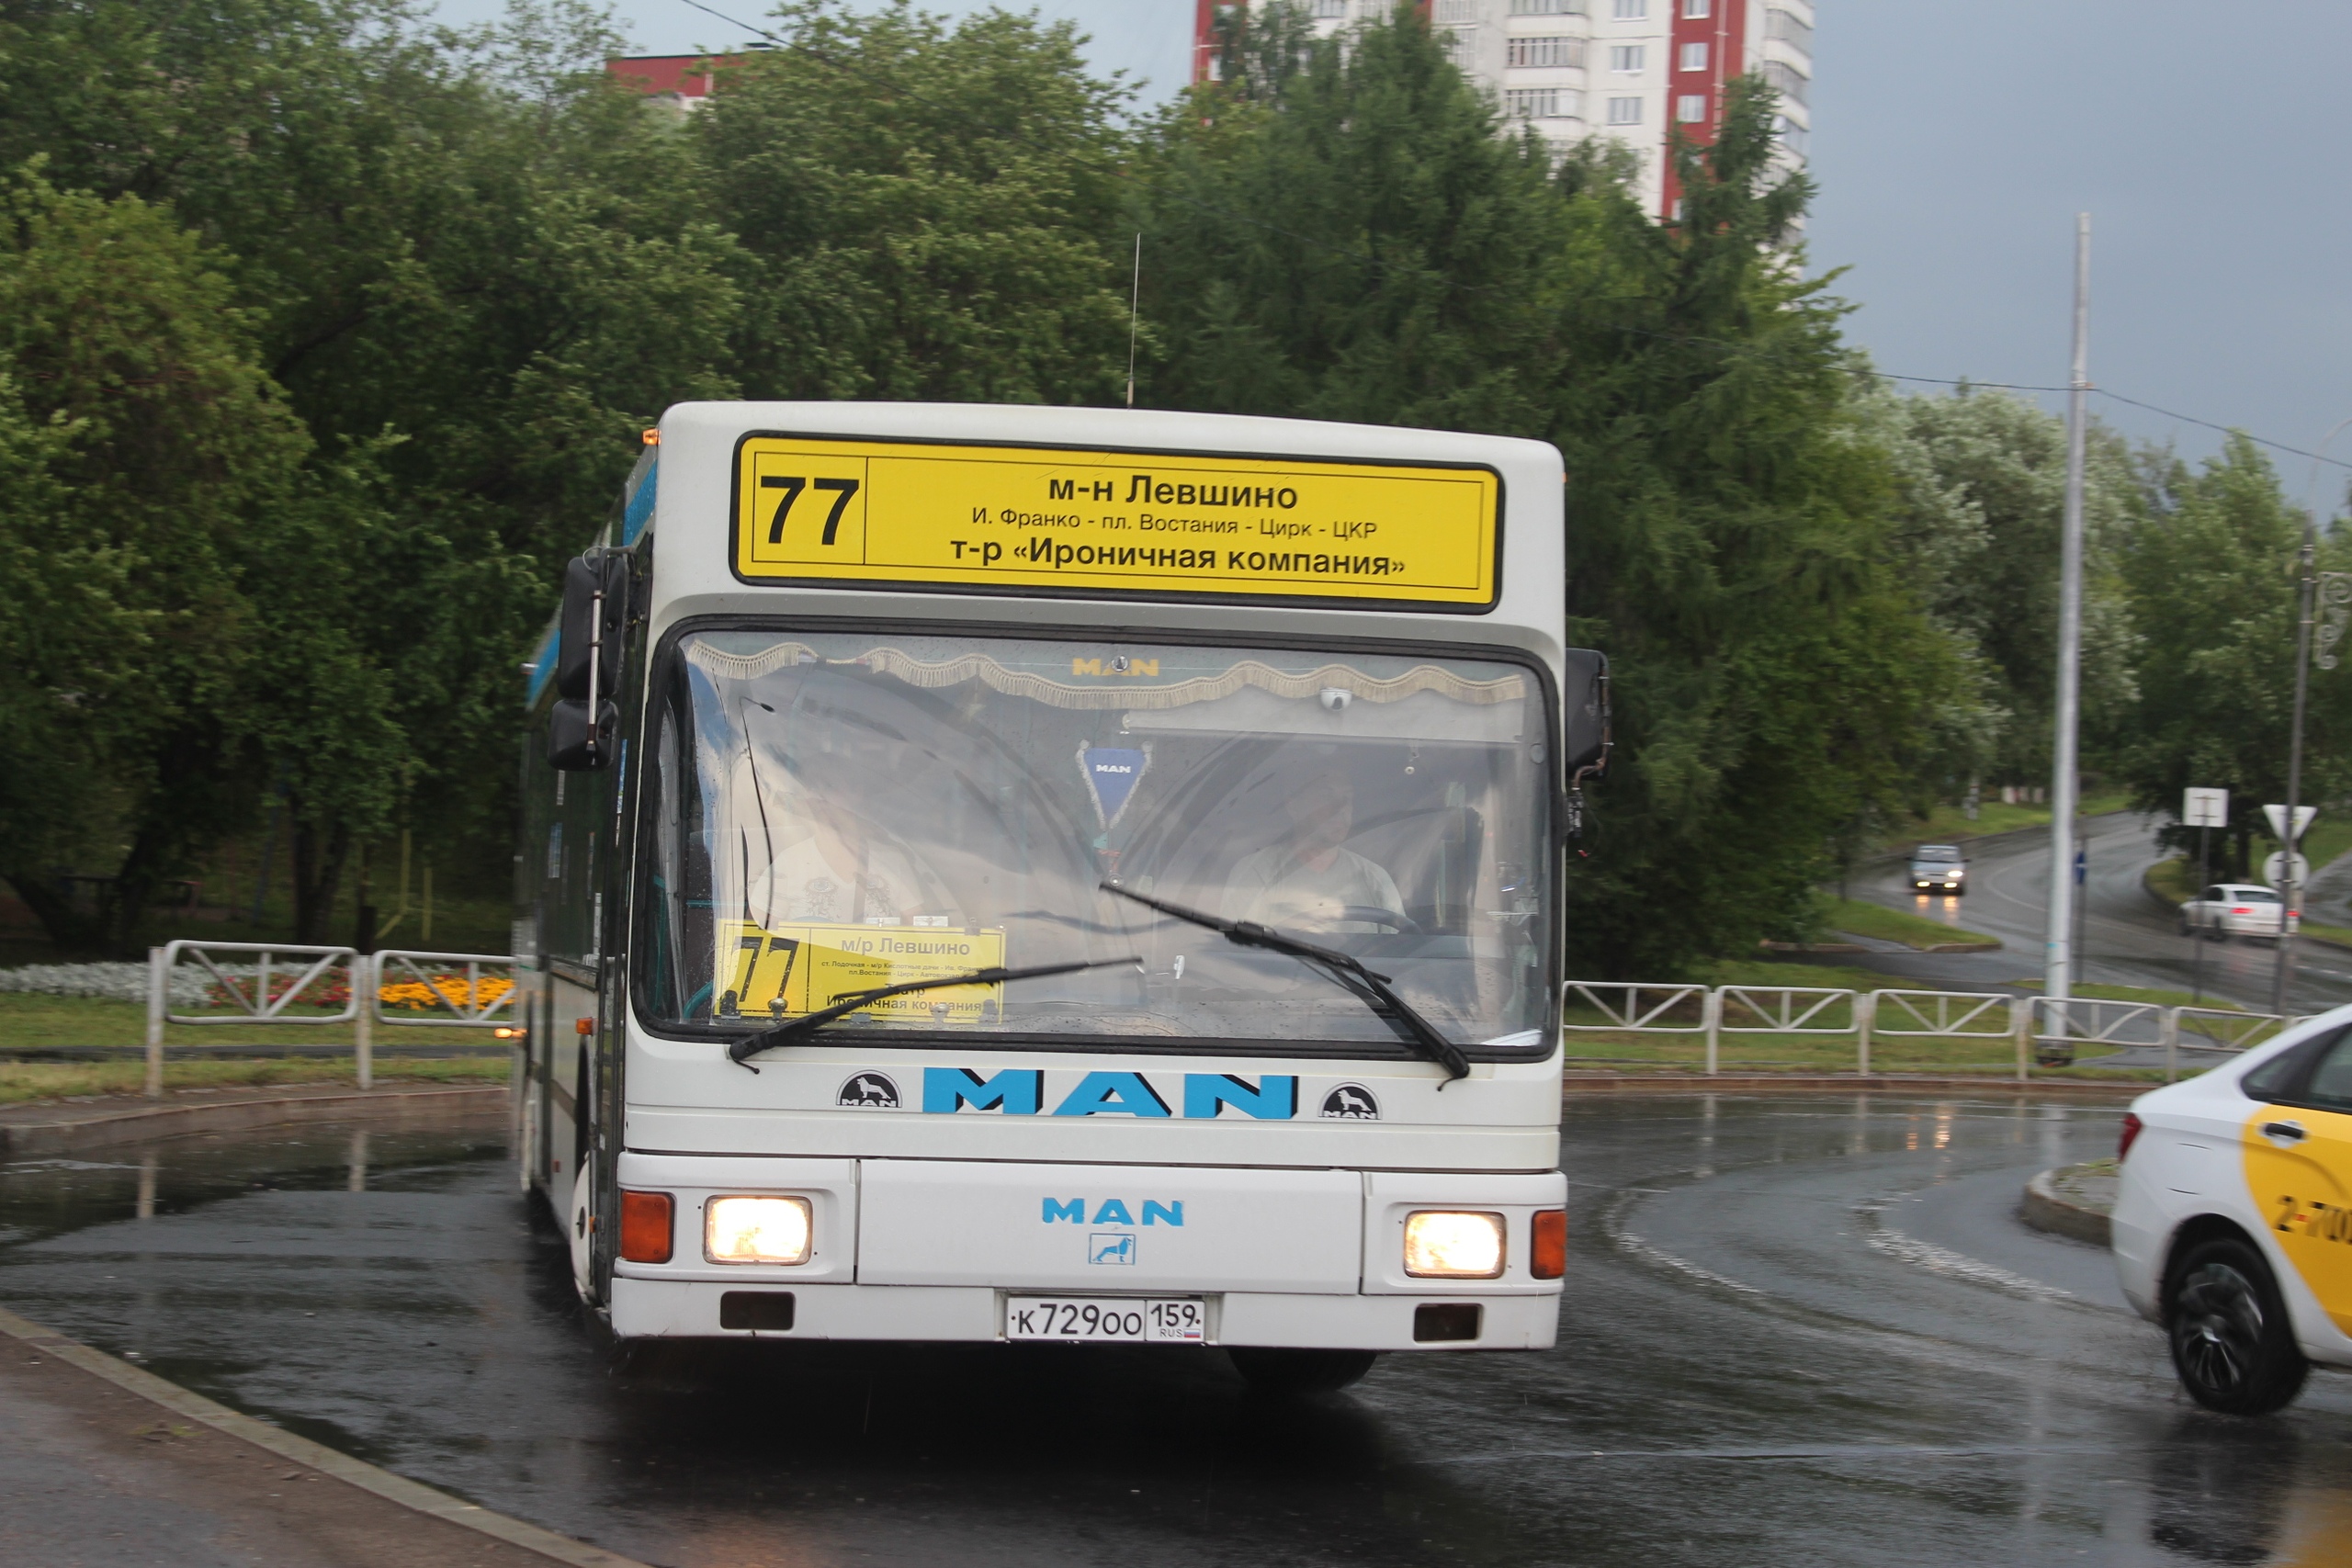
1310	881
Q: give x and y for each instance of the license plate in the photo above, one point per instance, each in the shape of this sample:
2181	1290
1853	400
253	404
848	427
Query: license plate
1106	1319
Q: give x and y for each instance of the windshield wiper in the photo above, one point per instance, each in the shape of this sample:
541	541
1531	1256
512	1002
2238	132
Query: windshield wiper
808	1024
1340	968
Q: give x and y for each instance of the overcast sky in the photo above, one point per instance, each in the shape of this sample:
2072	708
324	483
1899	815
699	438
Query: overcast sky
1955	139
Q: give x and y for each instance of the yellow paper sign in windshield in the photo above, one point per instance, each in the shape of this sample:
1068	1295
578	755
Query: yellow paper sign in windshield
811	967
1015	520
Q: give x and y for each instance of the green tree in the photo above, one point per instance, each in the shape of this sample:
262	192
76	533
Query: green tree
2211	574
474	264
1338	230
923	212
156	454
1980	492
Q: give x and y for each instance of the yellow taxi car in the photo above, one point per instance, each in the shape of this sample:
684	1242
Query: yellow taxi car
2232	1224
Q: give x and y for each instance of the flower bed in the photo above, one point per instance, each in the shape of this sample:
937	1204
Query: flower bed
192	988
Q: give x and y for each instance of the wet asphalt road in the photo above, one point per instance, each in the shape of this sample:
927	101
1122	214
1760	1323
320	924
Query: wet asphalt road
2127	938
1797	1330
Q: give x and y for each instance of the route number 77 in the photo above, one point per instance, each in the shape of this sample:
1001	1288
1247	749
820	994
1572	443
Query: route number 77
792	487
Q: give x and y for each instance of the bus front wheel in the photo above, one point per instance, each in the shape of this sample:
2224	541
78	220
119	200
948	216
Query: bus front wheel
1270	1371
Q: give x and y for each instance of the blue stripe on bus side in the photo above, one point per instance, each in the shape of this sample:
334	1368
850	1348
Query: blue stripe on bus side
640	507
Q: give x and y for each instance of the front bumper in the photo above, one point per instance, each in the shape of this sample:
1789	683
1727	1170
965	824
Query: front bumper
928	1249
690	1310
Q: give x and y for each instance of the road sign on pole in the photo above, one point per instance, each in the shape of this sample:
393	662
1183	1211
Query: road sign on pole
2278	815
2274	869
2205	808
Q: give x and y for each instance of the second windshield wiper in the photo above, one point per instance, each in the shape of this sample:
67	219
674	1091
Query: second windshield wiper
809	1024
1343	969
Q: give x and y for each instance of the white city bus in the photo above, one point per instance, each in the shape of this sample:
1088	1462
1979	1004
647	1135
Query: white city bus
1228	758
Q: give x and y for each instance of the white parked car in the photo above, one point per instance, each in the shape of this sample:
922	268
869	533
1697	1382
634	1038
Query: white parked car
2233	1224
2238	908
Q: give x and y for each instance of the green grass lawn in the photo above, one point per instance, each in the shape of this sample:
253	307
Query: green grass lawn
1861	917
2155	995
22	1081
1947	825
28	1018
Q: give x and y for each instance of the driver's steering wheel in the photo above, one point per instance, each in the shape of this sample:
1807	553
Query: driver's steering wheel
1372	914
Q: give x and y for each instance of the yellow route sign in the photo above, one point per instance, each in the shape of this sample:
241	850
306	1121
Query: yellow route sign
1018	519
808	967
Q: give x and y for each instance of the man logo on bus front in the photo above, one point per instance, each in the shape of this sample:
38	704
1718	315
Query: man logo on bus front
872	1092
1351	1102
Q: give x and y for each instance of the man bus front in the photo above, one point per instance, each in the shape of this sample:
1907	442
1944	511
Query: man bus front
1054	920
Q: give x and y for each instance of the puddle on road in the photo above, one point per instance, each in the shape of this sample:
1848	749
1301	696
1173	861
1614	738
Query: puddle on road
385	1291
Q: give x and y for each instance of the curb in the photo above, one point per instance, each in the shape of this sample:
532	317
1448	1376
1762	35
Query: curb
29	1140
2045	1210
397	1489
1755	1083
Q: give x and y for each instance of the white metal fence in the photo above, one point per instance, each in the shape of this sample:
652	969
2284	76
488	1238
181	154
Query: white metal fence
2047	1030
271	983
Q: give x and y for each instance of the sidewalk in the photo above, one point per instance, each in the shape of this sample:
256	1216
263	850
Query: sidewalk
102	1465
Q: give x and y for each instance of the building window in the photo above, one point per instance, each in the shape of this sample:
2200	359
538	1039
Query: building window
1789	134
1697	8
1459	43
1457	10
1328	10
1690	108
1532	103
1784	79
1568	52
1790	28
1547	8
1631	10
1694	57
1625	112
1626	58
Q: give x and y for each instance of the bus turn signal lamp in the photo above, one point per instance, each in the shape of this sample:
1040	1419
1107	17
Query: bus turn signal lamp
1440	1245
1548	1257
645	1227
755	1230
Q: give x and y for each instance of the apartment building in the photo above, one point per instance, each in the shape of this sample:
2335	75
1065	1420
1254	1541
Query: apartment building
1631	70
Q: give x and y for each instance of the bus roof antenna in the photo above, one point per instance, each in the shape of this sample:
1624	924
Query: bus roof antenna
1135	300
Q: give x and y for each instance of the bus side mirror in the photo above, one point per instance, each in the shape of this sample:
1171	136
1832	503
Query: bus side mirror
575	745
594	622
1584	696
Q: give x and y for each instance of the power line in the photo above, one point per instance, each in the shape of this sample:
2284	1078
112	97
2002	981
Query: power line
2102	392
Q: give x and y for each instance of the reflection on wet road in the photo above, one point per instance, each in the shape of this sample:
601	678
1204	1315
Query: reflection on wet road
1797	1330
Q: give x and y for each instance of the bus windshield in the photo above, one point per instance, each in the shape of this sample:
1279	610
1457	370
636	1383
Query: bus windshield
836	812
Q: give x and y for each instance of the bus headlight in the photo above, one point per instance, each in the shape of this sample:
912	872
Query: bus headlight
1440	1245
755	1230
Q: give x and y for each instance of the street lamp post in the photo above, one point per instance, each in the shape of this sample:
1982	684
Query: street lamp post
2058	962
2332	591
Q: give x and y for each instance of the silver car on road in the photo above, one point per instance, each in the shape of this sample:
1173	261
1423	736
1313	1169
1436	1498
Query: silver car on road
1938	868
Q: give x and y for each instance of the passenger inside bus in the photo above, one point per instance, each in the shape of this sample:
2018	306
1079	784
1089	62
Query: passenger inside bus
1309	880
